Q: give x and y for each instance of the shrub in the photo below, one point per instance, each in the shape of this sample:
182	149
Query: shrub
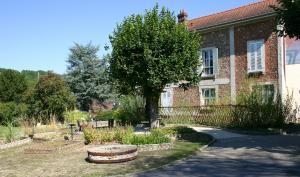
131	110
105	115
50	98
178	130
257	112
157	136
108	135
11	113
74	116
124	136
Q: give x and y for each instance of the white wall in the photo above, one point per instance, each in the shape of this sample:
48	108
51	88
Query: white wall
292	69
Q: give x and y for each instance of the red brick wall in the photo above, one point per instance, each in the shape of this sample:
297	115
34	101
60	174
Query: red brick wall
188	97
260	30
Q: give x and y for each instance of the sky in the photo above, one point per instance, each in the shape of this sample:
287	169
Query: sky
37	34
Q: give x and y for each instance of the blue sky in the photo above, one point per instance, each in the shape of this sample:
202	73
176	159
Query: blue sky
36	34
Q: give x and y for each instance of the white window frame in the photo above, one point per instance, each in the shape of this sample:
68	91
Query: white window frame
202	100
266	83
249	54
215	61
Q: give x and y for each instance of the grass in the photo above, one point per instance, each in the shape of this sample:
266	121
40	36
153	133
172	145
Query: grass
4	131
72	161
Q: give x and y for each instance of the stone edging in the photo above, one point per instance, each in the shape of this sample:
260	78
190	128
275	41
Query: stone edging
15	143
154	147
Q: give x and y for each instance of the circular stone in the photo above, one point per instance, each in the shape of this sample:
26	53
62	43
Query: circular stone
112	153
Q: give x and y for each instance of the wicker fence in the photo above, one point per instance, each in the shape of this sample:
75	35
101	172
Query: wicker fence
204	115
222	116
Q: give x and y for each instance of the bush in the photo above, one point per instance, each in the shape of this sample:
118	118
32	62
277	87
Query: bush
257	112
74	116
105	115
107	135
124	136
131	110
11	113
157	136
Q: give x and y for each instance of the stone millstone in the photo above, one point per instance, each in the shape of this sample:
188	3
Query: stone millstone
112	153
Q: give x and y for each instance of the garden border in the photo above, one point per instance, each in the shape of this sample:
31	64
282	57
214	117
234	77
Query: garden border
154	147
15	143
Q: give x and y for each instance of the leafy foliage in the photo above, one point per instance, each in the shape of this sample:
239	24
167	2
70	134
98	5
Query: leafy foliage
150	51
50	98
288	16
87	75
74	116
12	86
32	77
11	113
124	136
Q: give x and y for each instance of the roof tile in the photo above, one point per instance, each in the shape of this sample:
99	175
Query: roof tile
233	15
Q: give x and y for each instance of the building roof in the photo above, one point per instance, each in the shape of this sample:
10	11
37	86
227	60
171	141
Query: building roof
243	13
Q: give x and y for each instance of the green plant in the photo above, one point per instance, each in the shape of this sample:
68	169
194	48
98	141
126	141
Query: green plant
12	86
105	115
74	116
156	136
50	98
131	109
11	113
178	130
108	135
150	51
87	76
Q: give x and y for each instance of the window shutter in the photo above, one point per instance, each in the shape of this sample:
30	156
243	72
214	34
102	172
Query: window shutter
259	56
200	69
216	57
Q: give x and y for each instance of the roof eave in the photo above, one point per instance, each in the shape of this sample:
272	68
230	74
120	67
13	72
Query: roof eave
233	23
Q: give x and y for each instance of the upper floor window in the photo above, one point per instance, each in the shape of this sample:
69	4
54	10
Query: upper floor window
209	61
256	56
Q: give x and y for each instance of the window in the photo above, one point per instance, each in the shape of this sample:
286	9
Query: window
166	98
266	91
209	96
256	56
209	61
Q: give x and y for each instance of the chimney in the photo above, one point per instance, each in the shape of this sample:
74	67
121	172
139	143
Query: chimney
182	16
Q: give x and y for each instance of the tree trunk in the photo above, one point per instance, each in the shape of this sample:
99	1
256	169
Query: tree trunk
152	110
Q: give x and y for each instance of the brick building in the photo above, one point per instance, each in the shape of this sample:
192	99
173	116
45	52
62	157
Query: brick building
240	51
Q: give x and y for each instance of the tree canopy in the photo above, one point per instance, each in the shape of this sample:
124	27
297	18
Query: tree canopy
50	98
12	86
87	75
288	16
150	51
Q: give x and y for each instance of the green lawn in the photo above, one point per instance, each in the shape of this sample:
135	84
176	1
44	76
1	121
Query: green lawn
72	162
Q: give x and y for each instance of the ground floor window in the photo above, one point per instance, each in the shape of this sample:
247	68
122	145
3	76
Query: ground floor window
266	91
209	96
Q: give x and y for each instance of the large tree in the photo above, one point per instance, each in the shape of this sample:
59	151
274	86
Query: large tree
288	14
50	98
87	75
150	51
12	86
